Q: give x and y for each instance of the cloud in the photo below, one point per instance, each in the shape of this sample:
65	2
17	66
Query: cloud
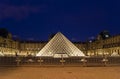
19	12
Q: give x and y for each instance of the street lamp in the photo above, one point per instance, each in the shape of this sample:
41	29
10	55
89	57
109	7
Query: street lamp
18	60
40	60
105	60
62	60
84	61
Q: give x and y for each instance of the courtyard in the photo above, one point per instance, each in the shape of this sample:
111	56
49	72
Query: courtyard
59	72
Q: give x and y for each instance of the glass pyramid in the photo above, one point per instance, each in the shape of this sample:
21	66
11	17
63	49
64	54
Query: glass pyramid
59	46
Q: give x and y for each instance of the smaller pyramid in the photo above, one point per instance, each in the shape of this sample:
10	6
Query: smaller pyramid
115	54
59	46
1	54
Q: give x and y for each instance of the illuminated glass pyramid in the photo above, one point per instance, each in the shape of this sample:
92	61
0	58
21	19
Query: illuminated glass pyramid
59	46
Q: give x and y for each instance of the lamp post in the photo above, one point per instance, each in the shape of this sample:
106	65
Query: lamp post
84	61
40	61
105	60
18	60
86	49
62	60
11	47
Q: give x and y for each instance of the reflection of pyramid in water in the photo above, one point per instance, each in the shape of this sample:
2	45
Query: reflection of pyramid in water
60	46
1	54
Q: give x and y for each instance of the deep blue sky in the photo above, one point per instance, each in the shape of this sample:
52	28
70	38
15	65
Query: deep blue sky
76	19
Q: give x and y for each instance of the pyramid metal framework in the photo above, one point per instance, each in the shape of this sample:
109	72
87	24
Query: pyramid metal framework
59	46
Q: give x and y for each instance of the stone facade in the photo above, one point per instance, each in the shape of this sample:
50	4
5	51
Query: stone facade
31	47
101	47
8	46
98	47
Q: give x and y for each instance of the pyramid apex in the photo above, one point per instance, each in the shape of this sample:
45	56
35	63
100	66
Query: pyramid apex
59	32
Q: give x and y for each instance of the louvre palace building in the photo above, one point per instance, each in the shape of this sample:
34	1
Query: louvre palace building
59	45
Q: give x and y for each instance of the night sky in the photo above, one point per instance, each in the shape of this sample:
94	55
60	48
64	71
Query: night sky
76	19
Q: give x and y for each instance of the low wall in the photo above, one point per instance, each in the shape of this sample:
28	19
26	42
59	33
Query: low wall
49	61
